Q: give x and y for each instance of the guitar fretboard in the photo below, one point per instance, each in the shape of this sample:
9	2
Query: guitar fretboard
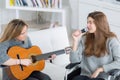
47	55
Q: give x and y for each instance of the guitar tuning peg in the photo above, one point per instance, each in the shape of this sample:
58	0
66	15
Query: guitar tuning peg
68	50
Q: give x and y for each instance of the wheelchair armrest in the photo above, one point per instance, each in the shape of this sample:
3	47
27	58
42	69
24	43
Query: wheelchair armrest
71	65
114	72
111	75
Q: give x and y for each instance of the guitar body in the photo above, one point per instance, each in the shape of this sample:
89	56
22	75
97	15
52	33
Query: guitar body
25	54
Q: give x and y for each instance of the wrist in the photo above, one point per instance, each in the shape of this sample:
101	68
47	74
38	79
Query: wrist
75	46
100	69
75	41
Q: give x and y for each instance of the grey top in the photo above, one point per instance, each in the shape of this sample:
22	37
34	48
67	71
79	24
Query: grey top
4	47
90	64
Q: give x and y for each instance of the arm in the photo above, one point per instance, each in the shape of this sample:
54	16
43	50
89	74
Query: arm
114	50
6	60
11	62
29	42
97	72
76	54
76	36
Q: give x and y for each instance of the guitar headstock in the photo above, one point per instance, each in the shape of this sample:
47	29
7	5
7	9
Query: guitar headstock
68	50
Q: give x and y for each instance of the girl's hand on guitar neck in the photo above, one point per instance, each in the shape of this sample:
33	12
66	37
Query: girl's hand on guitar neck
25	62
53	56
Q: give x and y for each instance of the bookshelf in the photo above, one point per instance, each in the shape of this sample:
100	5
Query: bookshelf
59	9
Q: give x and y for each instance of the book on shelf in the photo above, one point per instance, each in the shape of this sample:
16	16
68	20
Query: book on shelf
24	3
11	2
50	3
34	3
59	3
46	3
17	3
56	4
29	2
21	3
37	3
43	4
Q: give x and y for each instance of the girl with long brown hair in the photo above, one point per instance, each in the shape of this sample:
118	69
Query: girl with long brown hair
98	49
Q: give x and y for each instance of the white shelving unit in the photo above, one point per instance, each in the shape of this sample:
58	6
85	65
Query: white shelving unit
27	8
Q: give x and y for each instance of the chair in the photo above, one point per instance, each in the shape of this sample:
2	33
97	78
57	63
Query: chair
73	69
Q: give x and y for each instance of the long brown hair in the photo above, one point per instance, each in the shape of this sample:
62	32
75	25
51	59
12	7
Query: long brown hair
96	42
13	29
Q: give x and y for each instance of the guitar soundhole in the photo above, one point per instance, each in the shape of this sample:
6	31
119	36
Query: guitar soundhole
33	59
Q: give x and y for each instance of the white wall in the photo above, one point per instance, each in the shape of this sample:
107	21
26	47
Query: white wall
73	17
74	5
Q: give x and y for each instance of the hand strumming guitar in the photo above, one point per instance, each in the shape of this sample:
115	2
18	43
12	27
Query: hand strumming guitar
25	62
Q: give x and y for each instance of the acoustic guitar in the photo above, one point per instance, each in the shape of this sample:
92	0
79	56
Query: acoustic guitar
35	54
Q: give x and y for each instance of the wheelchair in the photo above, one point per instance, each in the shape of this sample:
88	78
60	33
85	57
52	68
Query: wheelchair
73	69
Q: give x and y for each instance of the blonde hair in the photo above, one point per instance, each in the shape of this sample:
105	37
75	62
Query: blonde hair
13	29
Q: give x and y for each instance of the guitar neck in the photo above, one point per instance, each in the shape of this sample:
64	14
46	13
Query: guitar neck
47	55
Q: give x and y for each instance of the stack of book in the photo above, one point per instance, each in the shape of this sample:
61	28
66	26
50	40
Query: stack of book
37	3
